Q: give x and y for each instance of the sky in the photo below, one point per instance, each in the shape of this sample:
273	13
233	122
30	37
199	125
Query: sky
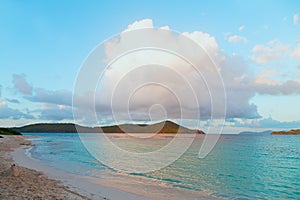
256	45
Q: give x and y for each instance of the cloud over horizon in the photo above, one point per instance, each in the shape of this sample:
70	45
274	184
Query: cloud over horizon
11	113
56	113
56	104
240	84
266	123
182	90
61	97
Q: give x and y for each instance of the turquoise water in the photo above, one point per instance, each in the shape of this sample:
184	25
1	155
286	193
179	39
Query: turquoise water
239	167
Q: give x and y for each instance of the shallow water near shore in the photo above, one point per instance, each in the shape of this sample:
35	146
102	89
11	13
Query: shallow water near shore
239	167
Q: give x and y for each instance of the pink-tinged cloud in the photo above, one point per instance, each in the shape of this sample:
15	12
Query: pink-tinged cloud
20	84
273	50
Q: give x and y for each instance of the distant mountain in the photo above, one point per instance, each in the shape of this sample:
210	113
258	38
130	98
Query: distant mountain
258	133
161	127
290	132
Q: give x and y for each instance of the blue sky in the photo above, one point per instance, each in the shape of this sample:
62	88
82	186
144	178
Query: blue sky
43	44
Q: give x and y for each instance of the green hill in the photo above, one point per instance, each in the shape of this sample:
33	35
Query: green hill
51	128
9	131
161	127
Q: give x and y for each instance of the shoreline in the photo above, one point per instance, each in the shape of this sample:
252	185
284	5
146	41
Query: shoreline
81	184
112	186
27	183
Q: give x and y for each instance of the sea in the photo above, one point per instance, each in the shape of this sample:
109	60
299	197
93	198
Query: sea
244	166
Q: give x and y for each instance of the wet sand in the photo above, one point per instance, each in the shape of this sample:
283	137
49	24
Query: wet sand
27	183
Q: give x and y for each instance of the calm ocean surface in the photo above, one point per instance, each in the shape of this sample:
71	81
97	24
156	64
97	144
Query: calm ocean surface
258	166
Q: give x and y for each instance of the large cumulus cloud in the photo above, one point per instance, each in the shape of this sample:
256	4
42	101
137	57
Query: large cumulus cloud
172	85
119	92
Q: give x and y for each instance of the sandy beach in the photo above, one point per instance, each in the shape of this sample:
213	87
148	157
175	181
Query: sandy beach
28	184
39	181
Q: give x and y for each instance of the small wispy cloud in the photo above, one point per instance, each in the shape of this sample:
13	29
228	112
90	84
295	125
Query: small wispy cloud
241	28
296	19
273	50
265	77
266	27
296	52
236	38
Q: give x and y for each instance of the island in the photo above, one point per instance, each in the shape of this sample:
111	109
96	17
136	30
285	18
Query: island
164	127
290	132
267	132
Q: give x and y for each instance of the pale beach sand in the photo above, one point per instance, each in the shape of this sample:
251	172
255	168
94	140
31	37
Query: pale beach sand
39	181
28	184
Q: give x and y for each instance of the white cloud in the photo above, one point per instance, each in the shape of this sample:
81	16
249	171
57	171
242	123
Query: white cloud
122	82
207	41
273	50
236	38
165	28
265	78
241	28
145	23
296	19
122	78
296	52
